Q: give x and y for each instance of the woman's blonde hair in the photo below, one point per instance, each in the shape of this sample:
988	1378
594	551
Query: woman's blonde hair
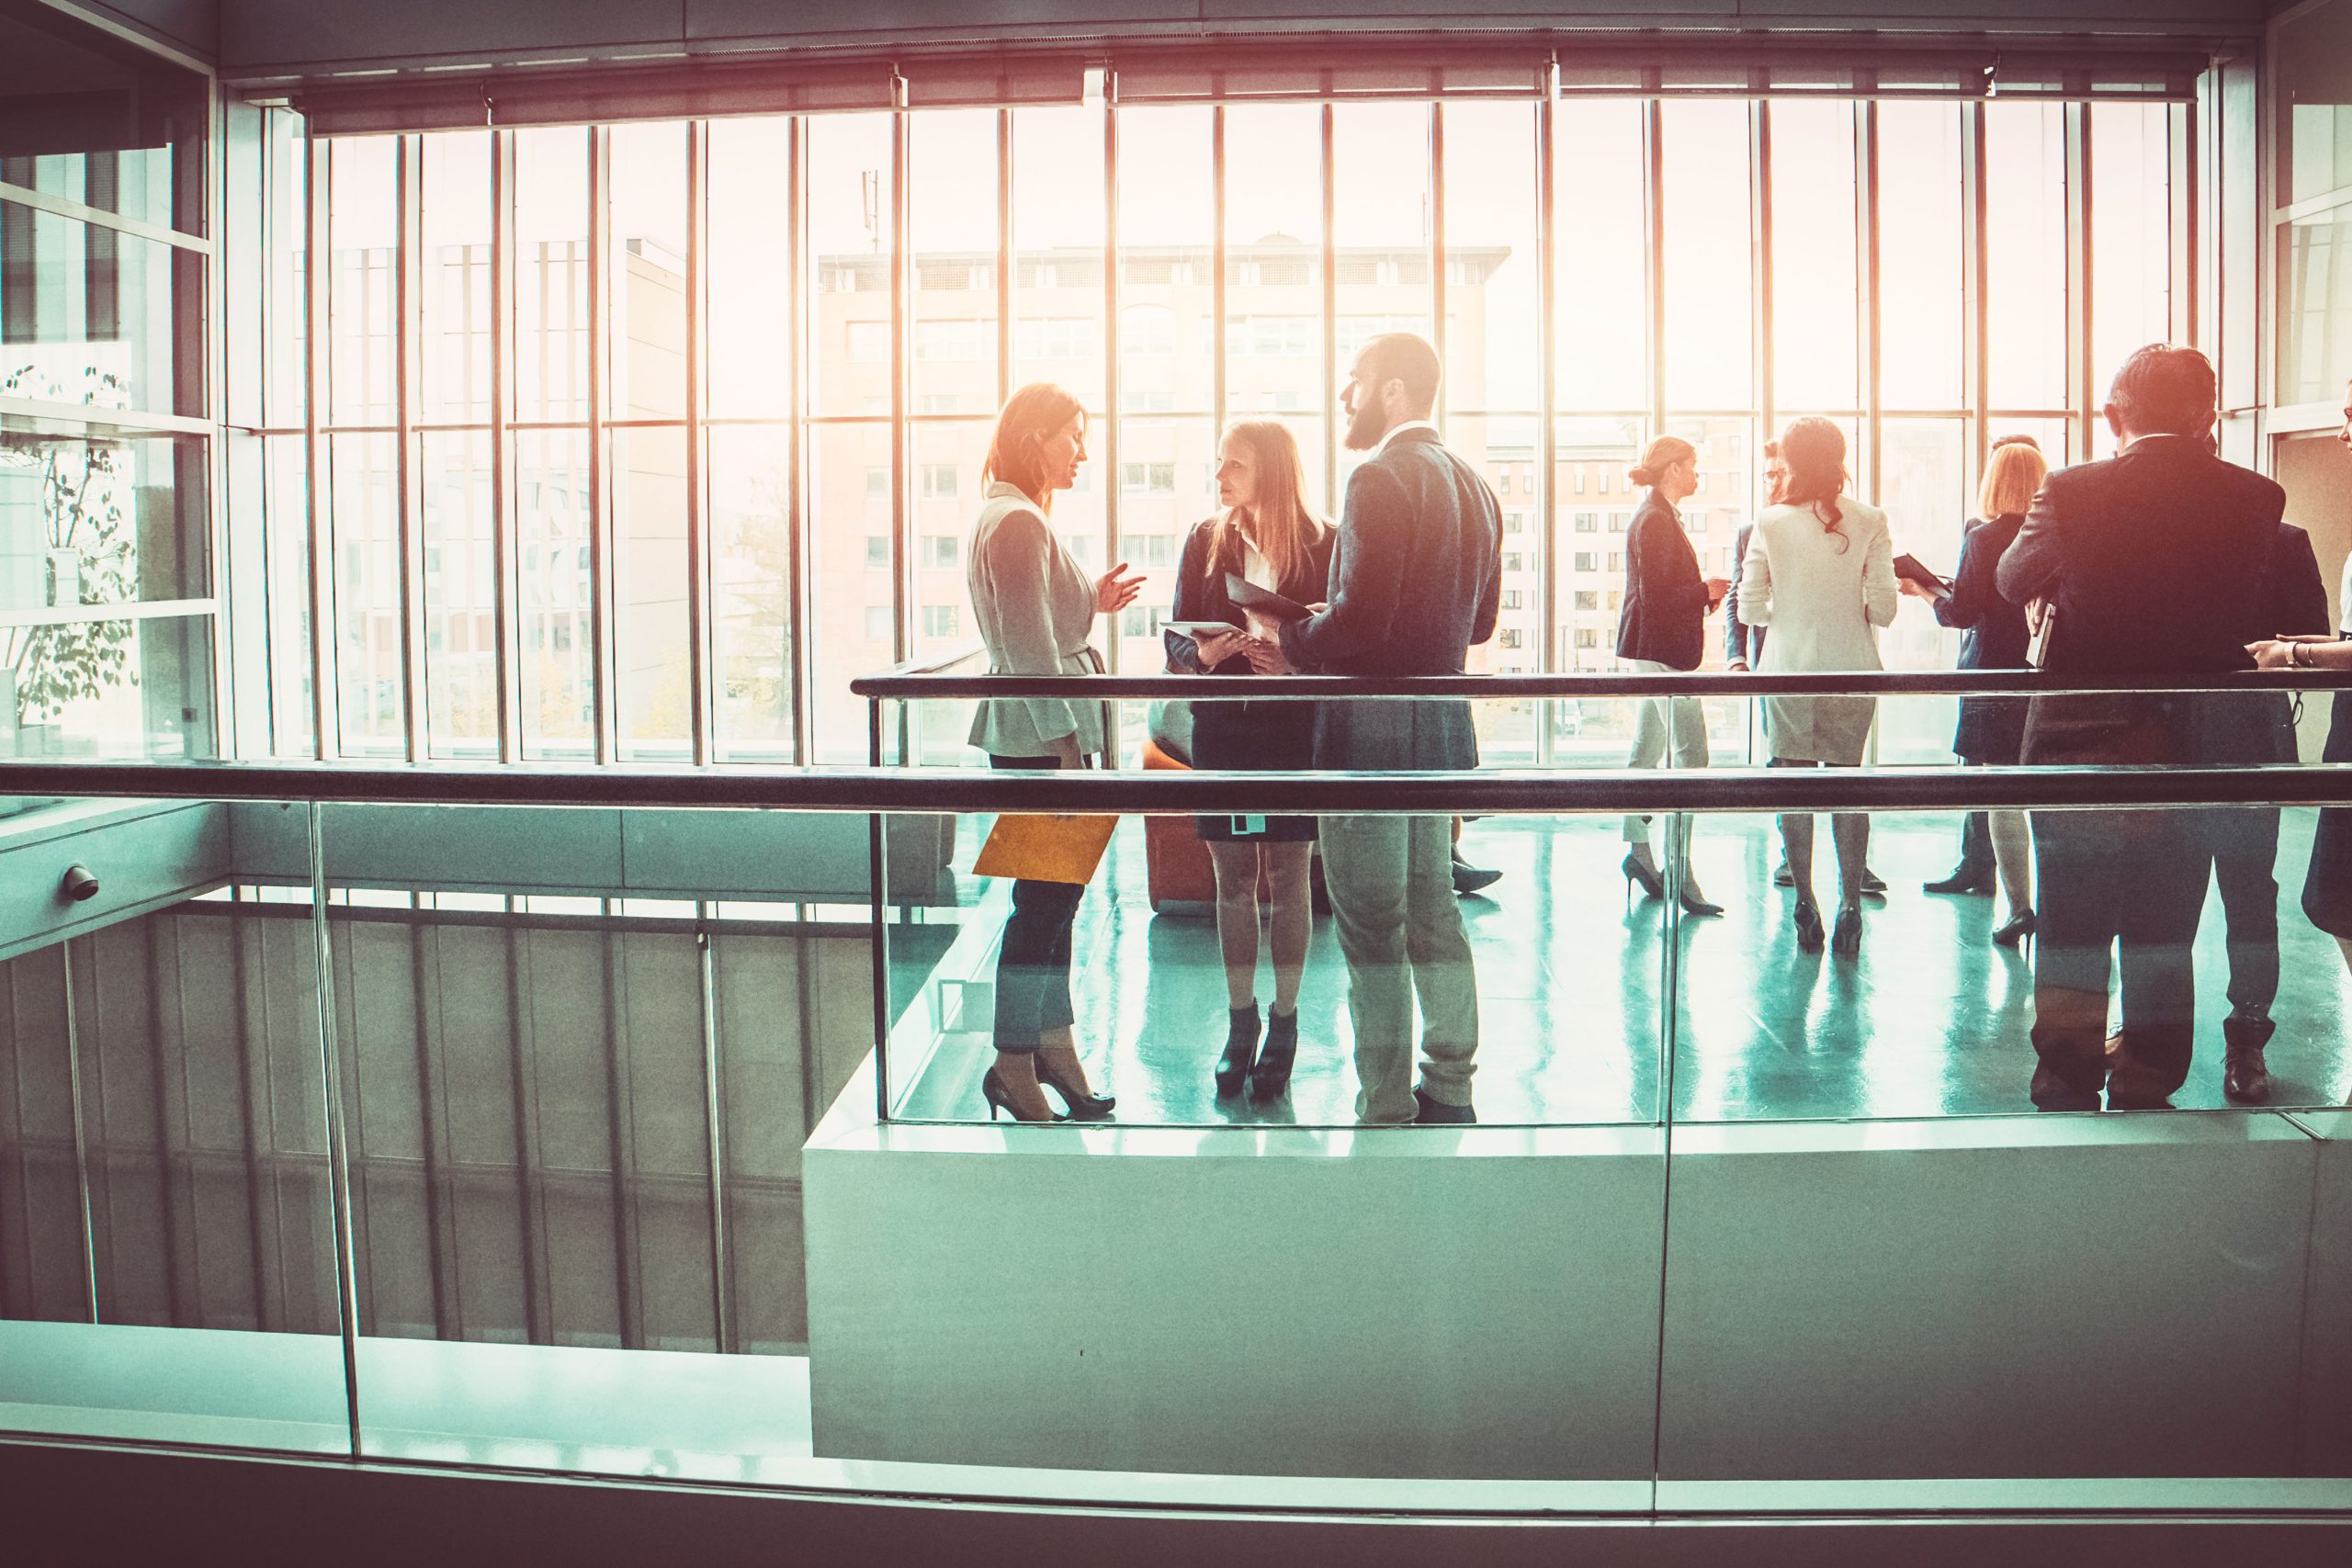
1285	532
2012	475
1659	455
1022	426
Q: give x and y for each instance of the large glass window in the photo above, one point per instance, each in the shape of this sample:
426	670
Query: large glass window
832	547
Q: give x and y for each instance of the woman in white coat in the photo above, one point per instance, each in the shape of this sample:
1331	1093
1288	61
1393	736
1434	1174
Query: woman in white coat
1820	573
1037	606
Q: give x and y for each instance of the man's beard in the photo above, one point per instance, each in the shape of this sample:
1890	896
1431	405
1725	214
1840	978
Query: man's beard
1364	429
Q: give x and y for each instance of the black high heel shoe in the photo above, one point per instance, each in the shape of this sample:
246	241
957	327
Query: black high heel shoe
1082	1107
1241	1050
1271	1076
1846	938
1653	884
1807	920
1694	905
2019	929
1000	1098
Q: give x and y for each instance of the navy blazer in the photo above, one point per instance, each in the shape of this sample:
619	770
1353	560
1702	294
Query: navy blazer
2155	562
1664	618
1416	583
2294	595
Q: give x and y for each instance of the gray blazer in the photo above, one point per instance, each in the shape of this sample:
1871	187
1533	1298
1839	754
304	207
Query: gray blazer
1035	607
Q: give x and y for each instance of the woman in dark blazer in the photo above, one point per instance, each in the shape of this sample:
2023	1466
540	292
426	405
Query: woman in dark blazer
1265	536
1992	729
1663	627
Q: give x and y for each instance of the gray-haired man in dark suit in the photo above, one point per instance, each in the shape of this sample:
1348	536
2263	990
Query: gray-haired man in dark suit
1415	584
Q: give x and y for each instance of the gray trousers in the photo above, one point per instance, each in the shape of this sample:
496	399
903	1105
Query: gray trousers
1391	880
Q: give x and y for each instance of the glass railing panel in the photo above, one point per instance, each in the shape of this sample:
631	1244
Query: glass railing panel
167	1234
582	1049
1908	1227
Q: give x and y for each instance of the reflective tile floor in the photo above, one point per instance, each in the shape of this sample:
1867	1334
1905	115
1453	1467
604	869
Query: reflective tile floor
1931	1021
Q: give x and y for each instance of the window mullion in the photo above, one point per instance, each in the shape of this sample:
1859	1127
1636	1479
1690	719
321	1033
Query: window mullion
408	182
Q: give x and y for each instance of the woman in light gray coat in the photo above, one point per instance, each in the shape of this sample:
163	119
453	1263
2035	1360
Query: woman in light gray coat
1036	606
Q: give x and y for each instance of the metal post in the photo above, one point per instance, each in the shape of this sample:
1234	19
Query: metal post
600	490
797	274
1975	259
1003	256
1654	274
318	265
346	1271
1547	432
1331	367
701	694
1110	432
2180	143
2081	393
901	553
1760	277
407	310
1867	293
1437	250
876	870
80	1131
506	522
721	1273
1218	369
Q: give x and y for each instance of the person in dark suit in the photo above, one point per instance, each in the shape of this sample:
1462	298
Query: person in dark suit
1744	643
1663	627
2245	852
1992	729
2152	564
1978	865
1266	536
2327	882
1416	582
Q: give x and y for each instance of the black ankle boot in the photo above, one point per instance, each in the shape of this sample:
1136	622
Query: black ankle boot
1241	1050
1271	1076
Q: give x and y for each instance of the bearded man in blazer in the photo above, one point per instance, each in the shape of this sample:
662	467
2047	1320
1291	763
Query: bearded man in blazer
1416	582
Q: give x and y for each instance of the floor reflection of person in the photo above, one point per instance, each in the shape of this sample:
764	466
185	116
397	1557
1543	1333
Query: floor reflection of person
1992	728
1266	536
1416	582
1662	626
2147	564
1035	608
2327	882
1820	575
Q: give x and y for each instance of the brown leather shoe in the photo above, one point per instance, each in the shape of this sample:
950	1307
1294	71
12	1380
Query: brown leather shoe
2244	1079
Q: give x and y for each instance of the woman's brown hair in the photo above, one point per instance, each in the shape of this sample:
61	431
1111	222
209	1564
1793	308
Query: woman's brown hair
1022	426
1282	527
1659	455
1813	452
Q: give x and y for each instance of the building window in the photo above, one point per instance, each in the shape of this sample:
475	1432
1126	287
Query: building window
942	620
1054	337
1512	560
877	484
1587	522
877	623
953	340
1616	560
940	551
1587	599
1514	521
877	550
869	341
1147	329
938	481
1509	637
1148	478
1617	521
1587	637
1511	598
1587	561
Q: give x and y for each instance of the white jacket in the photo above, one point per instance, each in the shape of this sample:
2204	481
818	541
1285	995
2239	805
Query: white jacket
1035	608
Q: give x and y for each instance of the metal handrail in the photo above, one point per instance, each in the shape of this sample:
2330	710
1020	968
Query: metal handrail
1482	792
902	683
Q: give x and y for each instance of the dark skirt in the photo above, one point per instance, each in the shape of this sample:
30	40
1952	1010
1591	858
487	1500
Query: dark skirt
1992	730
1261	737
2327	887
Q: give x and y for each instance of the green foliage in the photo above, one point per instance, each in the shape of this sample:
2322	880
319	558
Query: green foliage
82	486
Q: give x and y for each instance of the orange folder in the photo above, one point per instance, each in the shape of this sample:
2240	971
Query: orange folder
1045	848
